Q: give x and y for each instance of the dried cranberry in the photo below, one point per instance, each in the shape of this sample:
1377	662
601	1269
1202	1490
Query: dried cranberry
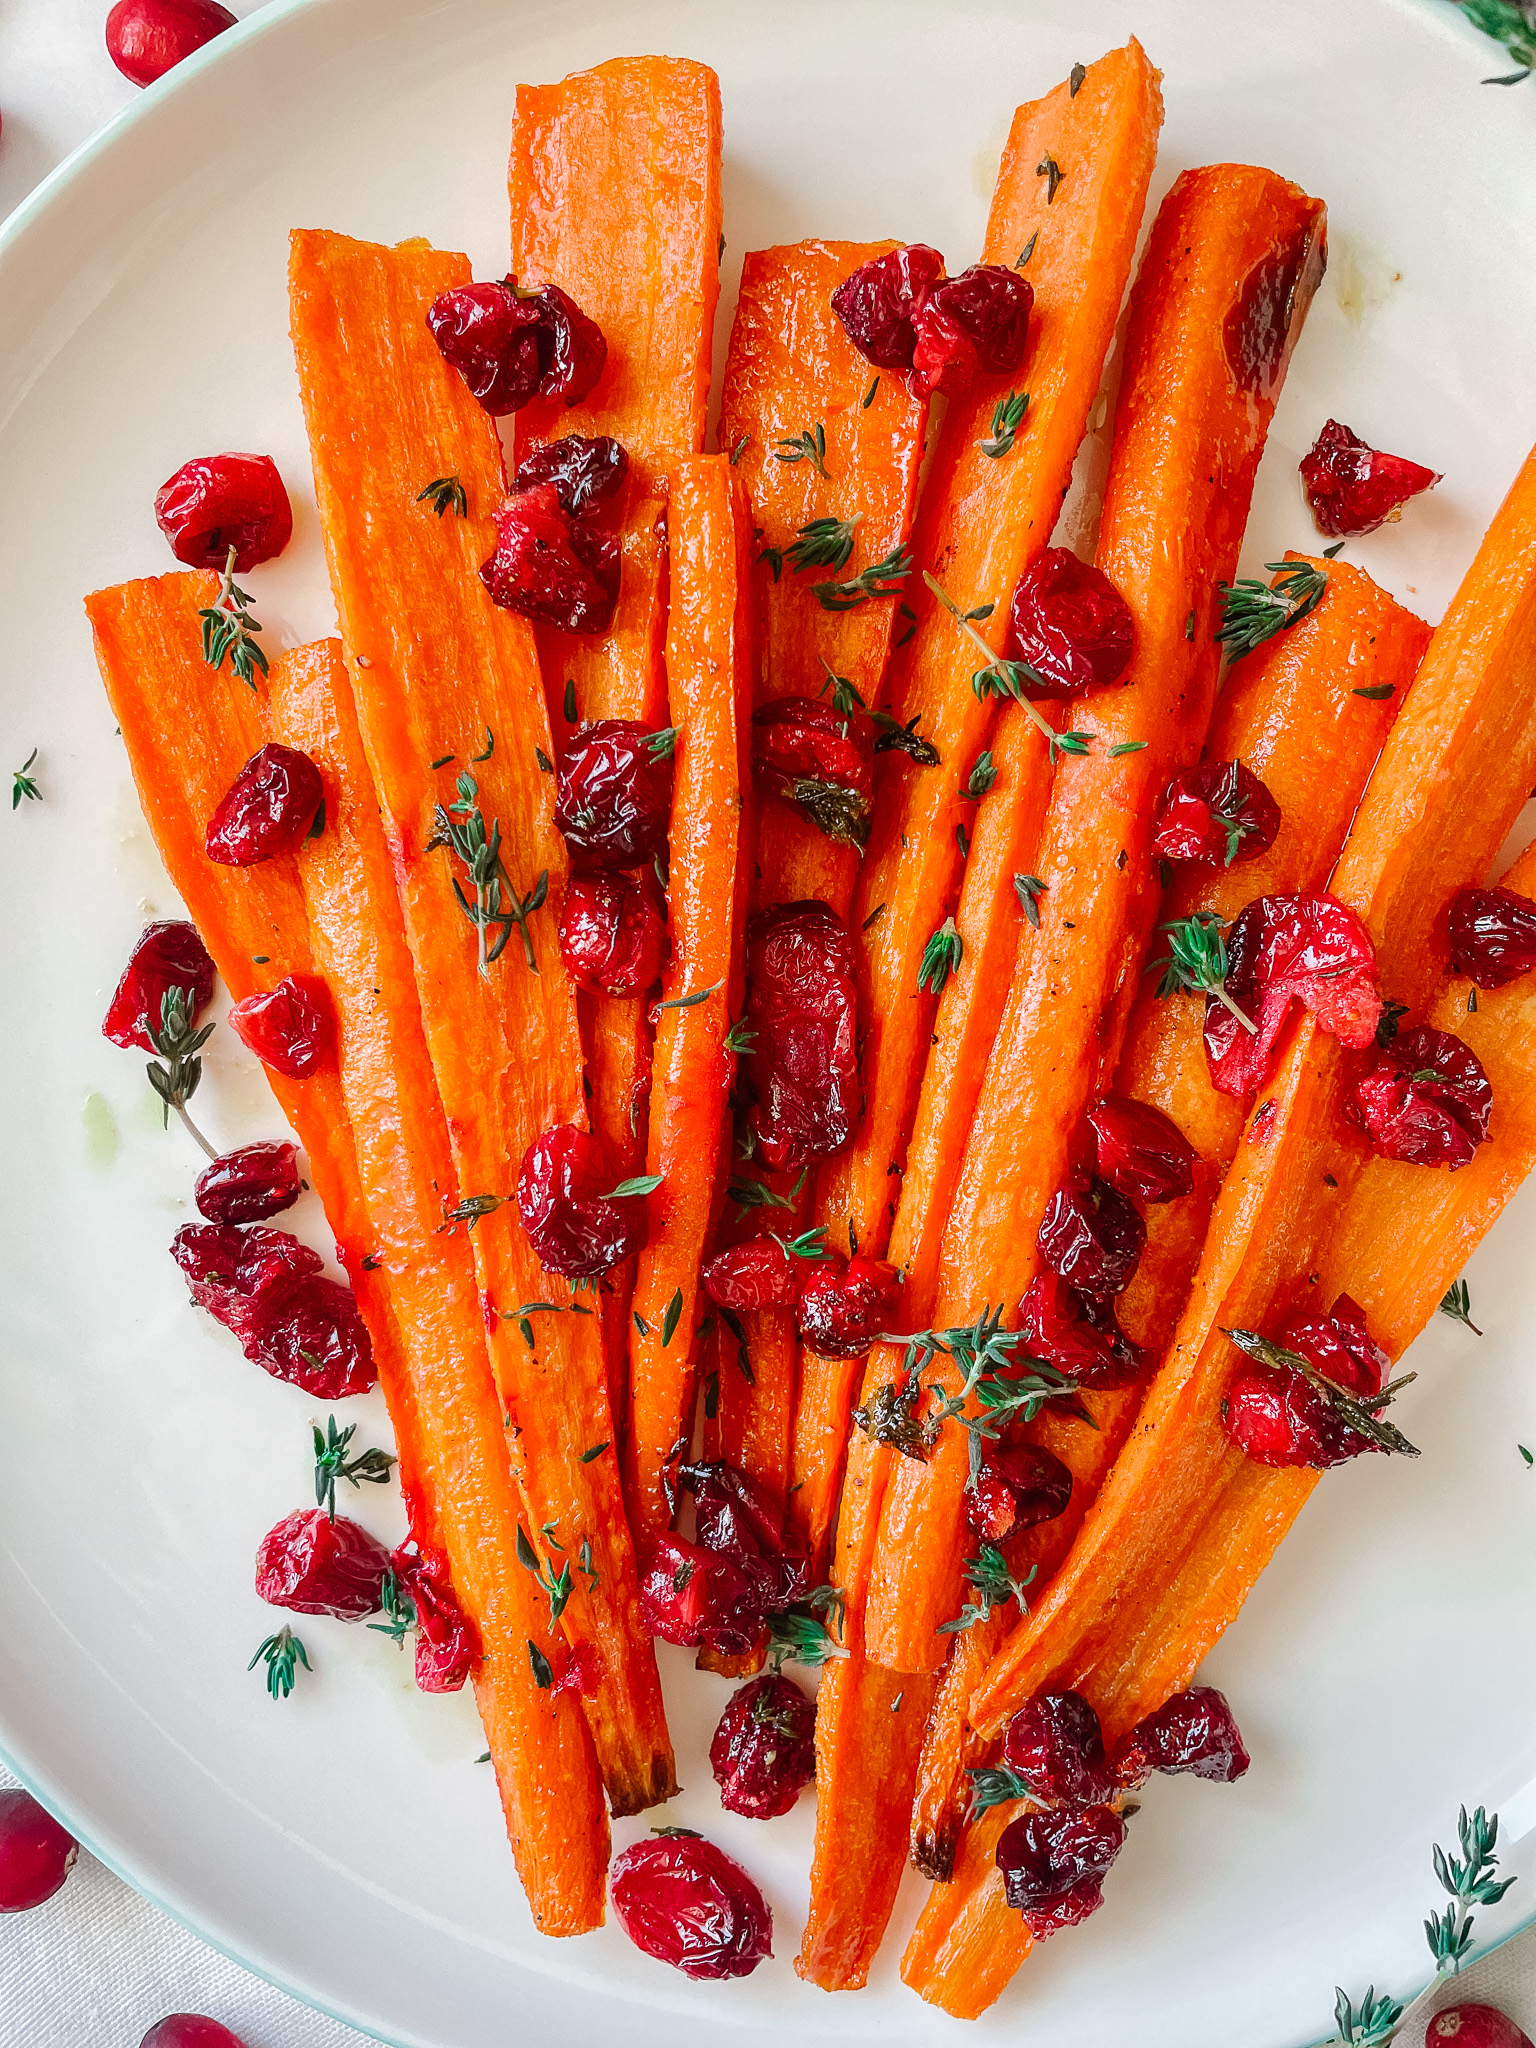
316	1566
1340	1347
1474	2026
1069	624
575	1223
447	1643
1093	1239
1078	1336
1425	1100
1140	1152
1018	1486
1217	813
190	2030
167	956
509	345
612	937
878	303
1056	1742
755	1275
1353	488
1493	935
246	1186
1194	1731
287	1027
147	38
267	810
219	502
734	1519
547	565
585	469
690	1595
683	1901
844	1308
614	797
818	758
976	321
1043	1856
576	348
1276	1416
1070	1909
36	1854
217	1256
267	1290
803	1069
764	1748
1285	949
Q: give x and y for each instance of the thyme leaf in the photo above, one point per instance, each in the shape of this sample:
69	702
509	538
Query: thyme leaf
822	544
332	1463
941	958
996	1786
1197	960
1510	25
906	739
1456	1303
23	785
1372	2026
995	1585
497	906
1051	171
445	494
1007	418
880	579
281	1654
983	775
1029	889
178	1046
229	630
810	445
1252	612
642	1184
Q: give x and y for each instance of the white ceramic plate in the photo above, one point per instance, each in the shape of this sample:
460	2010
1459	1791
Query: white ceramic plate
347	1844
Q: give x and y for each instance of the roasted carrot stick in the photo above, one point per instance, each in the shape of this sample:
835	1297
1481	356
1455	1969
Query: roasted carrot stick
441	676
968	1940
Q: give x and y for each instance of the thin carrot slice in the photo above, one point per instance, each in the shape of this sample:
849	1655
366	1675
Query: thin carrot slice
968	1940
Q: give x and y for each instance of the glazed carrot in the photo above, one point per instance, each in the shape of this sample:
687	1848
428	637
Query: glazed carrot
710	657
1233	260
968	1940
441	676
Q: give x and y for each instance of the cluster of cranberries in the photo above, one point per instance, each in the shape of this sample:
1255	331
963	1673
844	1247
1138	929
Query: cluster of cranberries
841	1305
1276	1415
901	312
1353	488
719	1589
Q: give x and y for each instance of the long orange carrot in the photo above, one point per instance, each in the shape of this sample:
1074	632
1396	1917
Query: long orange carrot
968	1940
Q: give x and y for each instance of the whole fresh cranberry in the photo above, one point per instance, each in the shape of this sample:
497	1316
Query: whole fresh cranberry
317	1566
1285	949
249	1185
1474	2026
1215	814
1139	1152
1194	1731
267	810
1493	935
683	1901
735	1519
1070	625
1078	1335
612	936
267	1290
755	1275
218	502
878	303
288	1027
690	1595
147	38
1094	1240
575	1223
764	1748
802	1006
190	2030
1426	1099
36	1854
818	758
1056	1742
509	345
168	955
844	1308
1277	1417
1043	1856
978	321
1340	1347
614	796
585	469
1018	1486
447	1641
1353	488
547	565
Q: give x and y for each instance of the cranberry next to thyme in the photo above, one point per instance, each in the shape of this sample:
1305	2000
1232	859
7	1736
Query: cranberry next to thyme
844	1306
1493	935
218	502
576	1223
1069	624
1215	814
317	1566
166	956
288	1027
818	758
1056	1742
764	1748
249	1185
271	805
614	797
1426	1099
1078	1335
1285	949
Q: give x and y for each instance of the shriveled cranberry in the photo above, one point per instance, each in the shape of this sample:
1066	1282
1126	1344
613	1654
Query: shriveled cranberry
802	1006
447	1642
267	809
547	565
683	1901
764	1748
818	758
36	1854
1215	814
1093	1239
690	1595
147	38
1194	1731
1139	1152
168	955
218	502
585	469
1070	624
757	1274
1276	1416
976	321
612	937
267	1290
1068	1910
1077	1335
316	1566
217	1256
249	1185
878	303
1018	1486
508	345
735	1519
288	1027
843	1308
1056	1742
613	800
572	359
1285	949
190	2030
1474	2026
575	1223
1425	1100
1043	1856
1354	488
1493	935
1340	1347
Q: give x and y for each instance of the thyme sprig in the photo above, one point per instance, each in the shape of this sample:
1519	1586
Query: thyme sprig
796	1635
880	579
1002	678
1372	2026
1252	612
941	958
810	445
229	630
1029	889
178	1046
23	784
756	1194
996	1785
461	827
398	1608
823	544
1007	418
995	1586
1510	25
986	1358
1456	1303
372	1467
445	494
1470	1882
1358	1411
559	1586
1197	960
281	1653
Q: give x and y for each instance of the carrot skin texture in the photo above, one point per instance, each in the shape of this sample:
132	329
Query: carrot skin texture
968	1940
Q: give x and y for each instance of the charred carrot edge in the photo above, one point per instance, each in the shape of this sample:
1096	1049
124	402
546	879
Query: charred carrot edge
1200	382
452	712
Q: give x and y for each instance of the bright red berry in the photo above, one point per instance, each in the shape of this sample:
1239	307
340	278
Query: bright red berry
878	303
190	2030
1274	1413
317	1566
447	1642
1056	1742
735	1519
288	1027
575	1222
36	1854
1340	1347
585	469
267	1290
1474	2026
1285	949
1139	1152
1194	1732
756	1275
844	1308
978	321
547	565
1044	1857
764	1748
613	799
613	939
802	1007
691	1595
249	1185
1426	1099
1215	814
268	809
818	758
1094	1239
1493	935
167	956
1353	488
1077	1335
147	38
219	502
1018	1486
683	1901
509	345
1070	625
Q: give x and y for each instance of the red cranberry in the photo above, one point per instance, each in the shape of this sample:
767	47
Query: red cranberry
1194	1731
612	937
1094	1239
219	502
844	1308
1474	2026
581	1675
1285	949
690	1595
249	1185
243	1262
508	345
1339	1346
1353	488
1426	1099
288	1027
586	470
316	1566
735	1519
1078	1336
1043	1856
547	565
447	1642
147	38
1139	1152
1055	1741
1018	1486
1493	935
755	1275
803	1007
614	797
167	956
575	1224
1070	624
683	1901
811	754
190	2030
1277	1417
976	321
36	1854
267	1290
878	303
267	810
1215	814
1069	1910
764	1748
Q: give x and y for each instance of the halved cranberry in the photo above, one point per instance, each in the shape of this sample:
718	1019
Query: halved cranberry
447	1642
1093	1239
1426	1099
1340	1347
1284	949
755	1275
734	1519
575	1224
189	2030
1474	2026
168	955
508	345
547	565
818	758
764	1748
690	1595
844	1308
585	469
1140	1152
1068	622
683	1901
288	1027
1194	1731
316	1566
1493	935
218	502
1353	488
267	810
614	797
878	303
612	937
36	1854
1018	1486
248	1185
1044	1856
267	1290
976	321
1215	814
147	38
1078	1336
803	1069
1056	1742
